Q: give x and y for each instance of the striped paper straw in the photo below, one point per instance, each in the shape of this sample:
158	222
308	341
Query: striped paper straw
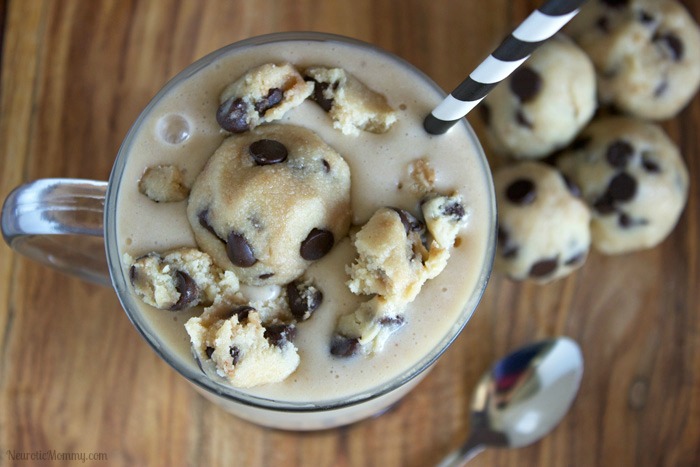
542	24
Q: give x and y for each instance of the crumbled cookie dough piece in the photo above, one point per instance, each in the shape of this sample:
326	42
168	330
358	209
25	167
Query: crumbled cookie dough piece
393	264
181	278
634	179
349	102
234	342
270	202
543	228
421	177
543	105
390	255
263	94
646	54
444	216
367	329
163	184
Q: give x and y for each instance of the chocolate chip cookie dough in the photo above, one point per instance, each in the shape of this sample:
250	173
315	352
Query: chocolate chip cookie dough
232	342
352	105
543	227
646	54
543	105
269	202
263	94
178	279
634	179
392	265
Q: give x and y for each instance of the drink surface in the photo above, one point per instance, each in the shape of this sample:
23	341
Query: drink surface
379	165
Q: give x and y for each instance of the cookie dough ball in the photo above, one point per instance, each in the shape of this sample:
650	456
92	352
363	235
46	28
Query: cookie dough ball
634	179
646	54
543	105
263	94
349	102
235	344
163	184
179	279
269	202
543	228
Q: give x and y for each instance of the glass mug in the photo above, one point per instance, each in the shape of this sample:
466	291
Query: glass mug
70	224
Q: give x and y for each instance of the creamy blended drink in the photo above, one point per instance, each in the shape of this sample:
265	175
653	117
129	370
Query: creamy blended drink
318	214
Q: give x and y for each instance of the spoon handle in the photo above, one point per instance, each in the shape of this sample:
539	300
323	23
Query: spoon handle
465	453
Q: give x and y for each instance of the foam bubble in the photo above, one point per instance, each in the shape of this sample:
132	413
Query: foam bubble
173	129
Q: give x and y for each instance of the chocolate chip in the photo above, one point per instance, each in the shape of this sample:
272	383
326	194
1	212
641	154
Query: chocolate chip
627	222
502	235
326	166
544	267
204	222
571	186
522	120
645	17
576	259
485	112
241	312
392	321
581	142
603	24
280	334
267	275
342	346
232	115
316	244
303	299
650	165
619	154
622	187
235	353
187	287
239	251
525	83
409	221
661	89
616	3
209	351
508	250
454	209
268	152
605	204
672	44
522	191
624	220
319	88
274	97
133	274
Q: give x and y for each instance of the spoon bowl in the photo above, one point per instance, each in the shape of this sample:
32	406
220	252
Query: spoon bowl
522	398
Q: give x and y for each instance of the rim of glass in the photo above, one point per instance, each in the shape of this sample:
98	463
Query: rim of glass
196	376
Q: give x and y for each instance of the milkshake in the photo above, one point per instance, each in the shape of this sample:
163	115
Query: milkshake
180	129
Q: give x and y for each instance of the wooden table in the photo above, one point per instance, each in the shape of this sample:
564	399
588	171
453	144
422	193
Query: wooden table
76	377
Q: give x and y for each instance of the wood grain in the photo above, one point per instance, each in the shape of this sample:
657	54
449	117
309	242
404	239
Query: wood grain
76	377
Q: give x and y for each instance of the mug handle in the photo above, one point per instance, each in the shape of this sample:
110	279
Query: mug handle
59	222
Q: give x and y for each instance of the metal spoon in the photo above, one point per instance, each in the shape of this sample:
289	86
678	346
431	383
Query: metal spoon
522	398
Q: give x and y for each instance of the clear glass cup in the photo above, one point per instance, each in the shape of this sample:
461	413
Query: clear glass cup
70	224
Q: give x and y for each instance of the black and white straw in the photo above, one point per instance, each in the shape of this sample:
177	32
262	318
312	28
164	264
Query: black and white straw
542	24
